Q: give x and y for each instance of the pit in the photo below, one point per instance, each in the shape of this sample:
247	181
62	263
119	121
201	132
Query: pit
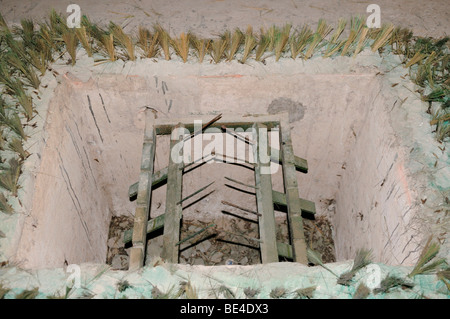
340	120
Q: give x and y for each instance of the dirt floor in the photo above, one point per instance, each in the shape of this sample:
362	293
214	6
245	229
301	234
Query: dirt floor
231	241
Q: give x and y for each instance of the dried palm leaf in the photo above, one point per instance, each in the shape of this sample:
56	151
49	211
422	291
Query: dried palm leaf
306	293
261	47
322	31
383	37
249	44
235	43
28	294
84	40
71	41
341	26
108	42
201	46
391	282
5	207
424	264
10	176
278	293
281	40
315	259
363	40
26	70
300	40
181	46
164	40
148	42
218	47
124	40
356	25
362	259
16	146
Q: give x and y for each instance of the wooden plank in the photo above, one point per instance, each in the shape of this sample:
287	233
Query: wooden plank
152	225
300	164
137	253
284	250
296	232
171	235
231	121
308	207
158	177
263	182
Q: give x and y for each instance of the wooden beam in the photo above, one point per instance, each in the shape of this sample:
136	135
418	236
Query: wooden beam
284	250
263	182
295	219
158	177
152	225
300	163
231	121
144	193
171	235
308	207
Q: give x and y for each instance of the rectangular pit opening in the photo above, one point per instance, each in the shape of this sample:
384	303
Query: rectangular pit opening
93	148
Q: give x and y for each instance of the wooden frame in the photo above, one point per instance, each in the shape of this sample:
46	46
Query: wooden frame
266	197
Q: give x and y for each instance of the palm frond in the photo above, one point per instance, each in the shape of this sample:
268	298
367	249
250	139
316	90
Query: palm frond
5	207
281	40
306	293
181	46
342	23
235	44
323	29
315	259
71	41
429	252
218	47
10	177
362	259
108	42
278	293
28	294
392	282
164	40
84	39
356	25
300	40
249	44
26	70
16	146
261	47
124	40
363	40
148	42
201	46
3	290
383	37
